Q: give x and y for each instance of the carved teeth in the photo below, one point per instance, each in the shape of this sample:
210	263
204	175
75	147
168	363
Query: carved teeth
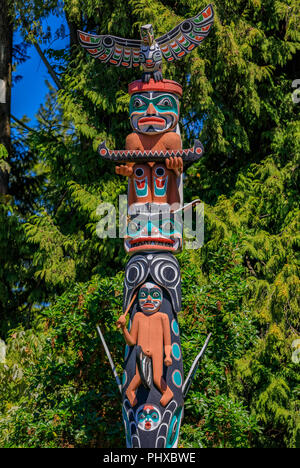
164	244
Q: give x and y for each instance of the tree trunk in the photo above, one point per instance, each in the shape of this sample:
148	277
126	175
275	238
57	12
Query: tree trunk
73	31
73	27
6	35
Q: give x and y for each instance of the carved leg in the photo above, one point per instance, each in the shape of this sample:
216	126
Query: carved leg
146	77
160	383
167	394
157	75
132	387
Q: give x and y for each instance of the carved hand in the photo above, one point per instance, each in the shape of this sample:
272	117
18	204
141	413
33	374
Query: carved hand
121	322
126	171
168	361
175	164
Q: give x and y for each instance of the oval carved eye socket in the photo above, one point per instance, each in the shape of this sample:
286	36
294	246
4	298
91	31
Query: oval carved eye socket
168	226
160	172
157	55
142	294
133	228
165	102
139	172
156	294
137	103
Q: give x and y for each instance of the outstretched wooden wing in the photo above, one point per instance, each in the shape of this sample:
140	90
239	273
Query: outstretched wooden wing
111	49
187	35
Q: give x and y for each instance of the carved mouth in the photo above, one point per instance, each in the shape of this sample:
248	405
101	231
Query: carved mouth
152	121
160	183
151	243
140	184
149	63
148	425
148	305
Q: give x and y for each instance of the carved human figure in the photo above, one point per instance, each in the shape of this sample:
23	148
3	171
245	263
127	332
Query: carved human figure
151	331
154	115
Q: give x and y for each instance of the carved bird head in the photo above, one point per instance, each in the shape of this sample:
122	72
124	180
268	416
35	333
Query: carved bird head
147	34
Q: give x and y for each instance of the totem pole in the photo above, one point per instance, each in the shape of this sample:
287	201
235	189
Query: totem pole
153	387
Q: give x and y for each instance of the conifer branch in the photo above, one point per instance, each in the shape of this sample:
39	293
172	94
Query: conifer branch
41	54
47	65
22	124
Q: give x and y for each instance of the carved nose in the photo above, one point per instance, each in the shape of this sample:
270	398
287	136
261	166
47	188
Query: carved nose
150	231
151	109
154	231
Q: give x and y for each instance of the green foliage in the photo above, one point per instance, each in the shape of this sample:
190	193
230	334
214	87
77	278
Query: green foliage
4	166
58	279
59	388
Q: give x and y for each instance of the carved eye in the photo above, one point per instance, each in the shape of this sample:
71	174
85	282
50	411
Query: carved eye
154	415
168	226
133	228
156	295
160	172
138	103
139	172
157	55
165	102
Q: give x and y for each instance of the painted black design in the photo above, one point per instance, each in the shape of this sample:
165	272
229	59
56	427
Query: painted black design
162	268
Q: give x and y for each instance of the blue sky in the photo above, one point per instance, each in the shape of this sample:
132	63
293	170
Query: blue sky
30	91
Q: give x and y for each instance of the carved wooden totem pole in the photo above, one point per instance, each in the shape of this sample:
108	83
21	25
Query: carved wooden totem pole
153	386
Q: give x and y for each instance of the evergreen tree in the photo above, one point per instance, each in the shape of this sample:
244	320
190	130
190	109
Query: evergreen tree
19	192
6	32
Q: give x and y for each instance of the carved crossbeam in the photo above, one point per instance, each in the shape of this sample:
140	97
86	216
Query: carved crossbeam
122	156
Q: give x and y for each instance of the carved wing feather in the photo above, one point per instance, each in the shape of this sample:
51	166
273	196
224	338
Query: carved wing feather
111	49
187	35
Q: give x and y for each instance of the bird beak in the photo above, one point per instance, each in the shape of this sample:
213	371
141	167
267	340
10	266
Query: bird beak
150	38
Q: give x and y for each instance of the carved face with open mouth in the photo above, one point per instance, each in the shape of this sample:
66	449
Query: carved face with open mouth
153	232
148	417
153	112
